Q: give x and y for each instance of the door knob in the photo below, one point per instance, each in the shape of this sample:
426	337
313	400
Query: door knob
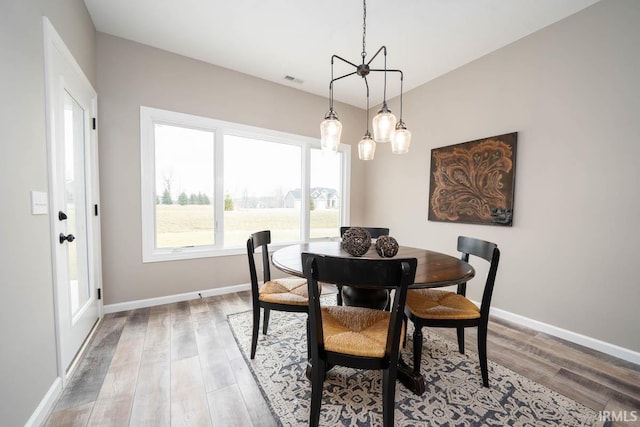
69	238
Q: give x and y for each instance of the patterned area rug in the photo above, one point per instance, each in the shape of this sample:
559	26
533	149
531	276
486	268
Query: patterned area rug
454	395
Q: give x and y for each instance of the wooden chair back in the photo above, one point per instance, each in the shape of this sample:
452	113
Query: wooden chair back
490	253
375	232
260	239
372	273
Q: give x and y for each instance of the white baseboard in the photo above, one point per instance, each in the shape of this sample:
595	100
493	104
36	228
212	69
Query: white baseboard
150	302
43	410
583	340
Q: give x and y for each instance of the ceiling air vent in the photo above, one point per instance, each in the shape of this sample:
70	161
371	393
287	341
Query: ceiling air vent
293	79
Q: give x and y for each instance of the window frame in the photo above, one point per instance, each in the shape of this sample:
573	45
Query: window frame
150	116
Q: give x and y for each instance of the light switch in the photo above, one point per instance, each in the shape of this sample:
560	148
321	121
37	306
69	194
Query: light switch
39	203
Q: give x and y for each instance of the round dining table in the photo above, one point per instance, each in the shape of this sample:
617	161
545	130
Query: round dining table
434	269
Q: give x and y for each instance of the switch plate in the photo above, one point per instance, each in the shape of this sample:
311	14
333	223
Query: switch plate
39	203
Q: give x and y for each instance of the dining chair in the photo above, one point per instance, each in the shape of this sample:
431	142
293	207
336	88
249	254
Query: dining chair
287	294
356	337
375	232
445	309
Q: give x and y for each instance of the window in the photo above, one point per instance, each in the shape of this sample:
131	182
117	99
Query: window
208	184
324	197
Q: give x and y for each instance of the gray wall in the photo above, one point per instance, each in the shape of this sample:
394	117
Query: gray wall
131	75
28	353
572	93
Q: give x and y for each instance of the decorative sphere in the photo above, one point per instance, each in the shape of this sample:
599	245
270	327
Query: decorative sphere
356	241
387	246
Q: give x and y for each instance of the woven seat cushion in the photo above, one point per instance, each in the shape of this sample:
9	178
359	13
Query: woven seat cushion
438	304
357	331
292	291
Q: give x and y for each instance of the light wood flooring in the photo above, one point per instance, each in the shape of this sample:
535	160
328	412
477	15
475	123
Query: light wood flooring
178	364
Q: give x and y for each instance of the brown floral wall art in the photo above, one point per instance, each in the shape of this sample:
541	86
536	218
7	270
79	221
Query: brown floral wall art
474	182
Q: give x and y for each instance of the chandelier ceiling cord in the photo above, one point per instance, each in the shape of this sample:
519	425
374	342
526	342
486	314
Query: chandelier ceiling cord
385	126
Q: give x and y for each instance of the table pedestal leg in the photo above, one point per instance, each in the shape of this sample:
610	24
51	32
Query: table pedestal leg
414	381
411	380
365	297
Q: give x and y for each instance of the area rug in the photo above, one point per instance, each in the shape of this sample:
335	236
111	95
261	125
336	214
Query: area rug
351	397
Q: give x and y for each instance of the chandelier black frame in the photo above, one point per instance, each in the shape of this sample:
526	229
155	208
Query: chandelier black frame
385	126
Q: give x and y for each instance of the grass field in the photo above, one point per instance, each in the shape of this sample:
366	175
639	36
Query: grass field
188	225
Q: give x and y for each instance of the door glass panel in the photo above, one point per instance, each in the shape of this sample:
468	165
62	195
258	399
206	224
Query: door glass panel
75	203
325	197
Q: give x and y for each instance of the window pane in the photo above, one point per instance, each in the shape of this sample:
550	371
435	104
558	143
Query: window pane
261	189
207	184
325	194
184	186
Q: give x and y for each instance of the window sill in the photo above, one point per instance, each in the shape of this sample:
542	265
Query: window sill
180	254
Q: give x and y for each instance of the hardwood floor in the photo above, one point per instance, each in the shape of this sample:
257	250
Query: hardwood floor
178	364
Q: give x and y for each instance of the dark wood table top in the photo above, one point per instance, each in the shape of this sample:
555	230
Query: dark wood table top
434	269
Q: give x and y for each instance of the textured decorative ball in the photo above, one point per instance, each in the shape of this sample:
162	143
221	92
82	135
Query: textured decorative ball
387	246
356	241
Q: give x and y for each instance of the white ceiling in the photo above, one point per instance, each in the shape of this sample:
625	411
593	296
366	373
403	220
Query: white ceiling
271	39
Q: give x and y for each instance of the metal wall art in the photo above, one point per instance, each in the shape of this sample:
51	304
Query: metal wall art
474	182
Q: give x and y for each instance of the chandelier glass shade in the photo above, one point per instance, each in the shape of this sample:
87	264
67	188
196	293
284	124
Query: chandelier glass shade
330	132
386	127
401	139
366	147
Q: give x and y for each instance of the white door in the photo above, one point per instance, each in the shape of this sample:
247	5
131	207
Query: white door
73	188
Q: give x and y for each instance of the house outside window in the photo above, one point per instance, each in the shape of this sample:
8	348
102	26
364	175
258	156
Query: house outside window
321	198
208	184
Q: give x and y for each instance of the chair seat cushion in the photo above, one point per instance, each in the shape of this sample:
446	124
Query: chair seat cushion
292	291
357	331
438	304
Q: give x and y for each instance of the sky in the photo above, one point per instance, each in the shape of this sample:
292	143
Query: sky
184	157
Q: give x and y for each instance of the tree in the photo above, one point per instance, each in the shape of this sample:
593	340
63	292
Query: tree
166	197
203	199
183	199
312	204
228	203
193	199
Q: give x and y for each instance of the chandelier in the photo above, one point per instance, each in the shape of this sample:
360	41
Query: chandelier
386	128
